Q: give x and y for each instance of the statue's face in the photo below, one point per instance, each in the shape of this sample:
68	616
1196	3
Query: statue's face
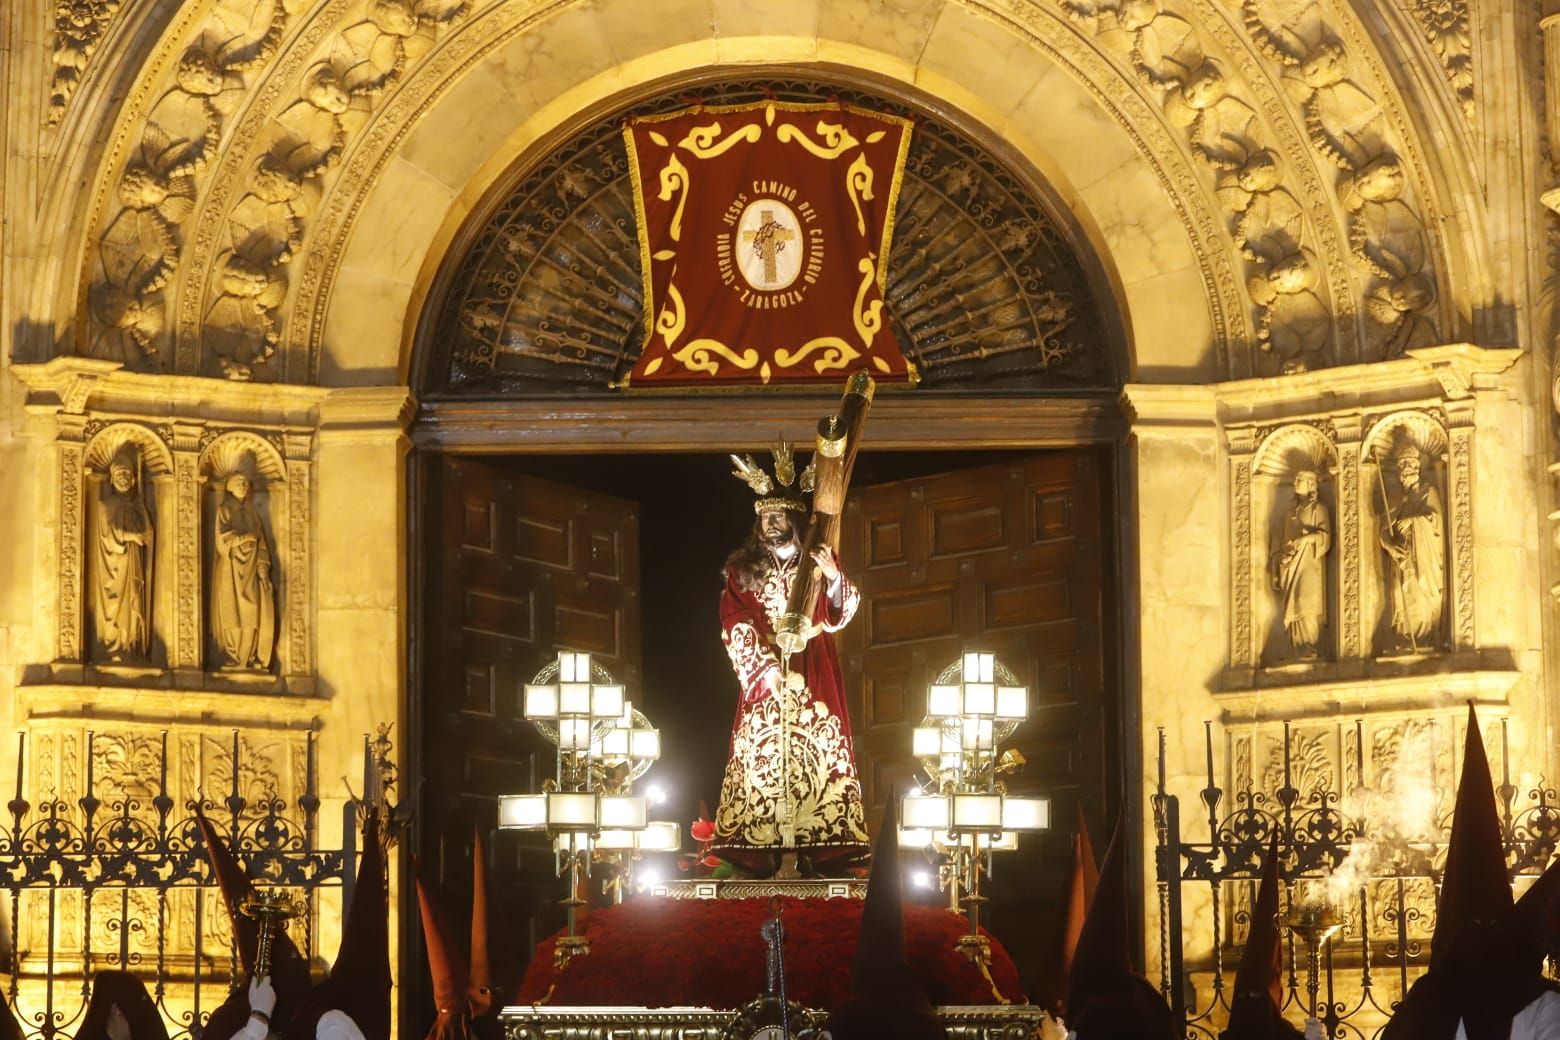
122	479
238	486
1408	472
1305	485
775	527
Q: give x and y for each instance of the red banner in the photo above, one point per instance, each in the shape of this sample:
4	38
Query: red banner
763	235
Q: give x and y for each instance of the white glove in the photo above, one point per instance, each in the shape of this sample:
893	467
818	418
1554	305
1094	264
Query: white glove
262	995
1314	1030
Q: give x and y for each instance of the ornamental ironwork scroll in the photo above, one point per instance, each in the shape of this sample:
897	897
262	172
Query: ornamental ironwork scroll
1308	785
119	878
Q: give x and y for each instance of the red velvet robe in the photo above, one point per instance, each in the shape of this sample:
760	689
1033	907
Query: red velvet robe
818	811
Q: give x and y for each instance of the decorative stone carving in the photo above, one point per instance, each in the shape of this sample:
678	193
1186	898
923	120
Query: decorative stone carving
1412	533
1292	464
122	537
243	597
1298	566
1294	323
1348	129
1445	25
265	224
78	26
70	436
245	473
1399	578
139	245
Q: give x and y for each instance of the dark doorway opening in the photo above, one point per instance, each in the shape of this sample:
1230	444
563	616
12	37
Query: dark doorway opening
686	513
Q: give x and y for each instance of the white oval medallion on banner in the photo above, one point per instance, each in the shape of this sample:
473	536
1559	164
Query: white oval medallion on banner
769	245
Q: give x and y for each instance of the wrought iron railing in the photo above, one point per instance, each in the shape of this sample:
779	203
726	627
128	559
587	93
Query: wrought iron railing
126	884
1206	886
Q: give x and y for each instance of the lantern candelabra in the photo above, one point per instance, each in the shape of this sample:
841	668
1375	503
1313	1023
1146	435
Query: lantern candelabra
963	812
588	808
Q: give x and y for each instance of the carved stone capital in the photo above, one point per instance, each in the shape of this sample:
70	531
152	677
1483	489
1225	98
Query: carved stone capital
366	410
1169	407
1461	368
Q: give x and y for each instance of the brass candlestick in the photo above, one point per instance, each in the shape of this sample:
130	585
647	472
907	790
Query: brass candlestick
1315	923
271	908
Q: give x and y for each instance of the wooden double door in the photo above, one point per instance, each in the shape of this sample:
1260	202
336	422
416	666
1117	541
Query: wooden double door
1012	557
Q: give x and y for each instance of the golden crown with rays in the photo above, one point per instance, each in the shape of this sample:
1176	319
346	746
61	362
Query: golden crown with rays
753	475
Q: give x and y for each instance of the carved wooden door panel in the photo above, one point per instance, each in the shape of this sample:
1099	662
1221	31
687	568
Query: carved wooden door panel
521	568
1004	558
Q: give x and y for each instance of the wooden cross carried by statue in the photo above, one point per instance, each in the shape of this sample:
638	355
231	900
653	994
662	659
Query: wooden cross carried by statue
839	438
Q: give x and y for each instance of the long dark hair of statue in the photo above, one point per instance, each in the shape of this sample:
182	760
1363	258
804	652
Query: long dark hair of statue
752	560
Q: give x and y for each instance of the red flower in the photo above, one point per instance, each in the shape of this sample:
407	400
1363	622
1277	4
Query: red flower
710	860
702	830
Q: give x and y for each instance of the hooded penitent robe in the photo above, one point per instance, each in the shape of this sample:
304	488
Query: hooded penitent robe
1485	960
885	999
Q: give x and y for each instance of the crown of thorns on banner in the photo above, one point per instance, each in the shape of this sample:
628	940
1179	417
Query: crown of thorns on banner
753	475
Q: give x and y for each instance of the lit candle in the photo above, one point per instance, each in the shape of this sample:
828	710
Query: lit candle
90	736
162	779
1505	757
1359	748
1161	758
368	772
235	763
1208	744
308	782
1286	753
21	740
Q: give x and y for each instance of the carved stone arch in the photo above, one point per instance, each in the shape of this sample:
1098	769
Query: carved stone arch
1165	191
157	317
985	287
100	449
1426	430
225	452
1299	445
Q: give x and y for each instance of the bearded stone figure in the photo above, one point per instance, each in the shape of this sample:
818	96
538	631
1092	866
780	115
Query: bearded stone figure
1299	567
1412	534
121	558
243	598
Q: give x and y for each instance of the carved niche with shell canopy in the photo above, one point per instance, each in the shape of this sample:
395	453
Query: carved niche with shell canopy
985	285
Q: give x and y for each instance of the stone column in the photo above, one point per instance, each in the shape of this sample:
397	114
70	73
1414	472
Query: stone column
298	674
360	603
186	652
1178	563
1550	25
1459	487
1353	639
1243	639
71	438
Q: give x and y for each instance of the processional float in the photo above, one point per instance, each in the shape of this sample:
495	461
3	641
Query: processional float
611	972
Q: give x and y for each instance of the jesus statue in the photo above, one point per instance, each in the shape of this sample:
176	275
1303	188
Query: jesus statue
790	801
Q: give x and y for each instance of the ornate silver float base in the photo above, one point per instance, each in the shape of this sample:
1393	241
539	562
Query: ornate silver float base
806	888
963	1022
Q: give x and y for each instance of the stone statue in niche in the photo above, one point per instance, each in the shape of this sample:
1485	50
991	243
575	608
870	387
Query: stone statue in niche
122	541
1299	567
1412	534
243	598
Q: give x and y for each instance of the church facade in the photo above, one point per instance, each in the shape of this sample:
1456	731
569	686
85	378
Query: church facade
281	278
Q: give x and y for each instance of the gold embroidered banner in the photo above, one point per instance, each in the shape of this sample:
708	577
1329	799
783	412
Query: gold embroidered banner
763	234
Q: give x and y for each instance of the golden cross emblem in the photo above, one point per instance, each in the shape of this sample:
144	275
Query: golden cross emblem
768	239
